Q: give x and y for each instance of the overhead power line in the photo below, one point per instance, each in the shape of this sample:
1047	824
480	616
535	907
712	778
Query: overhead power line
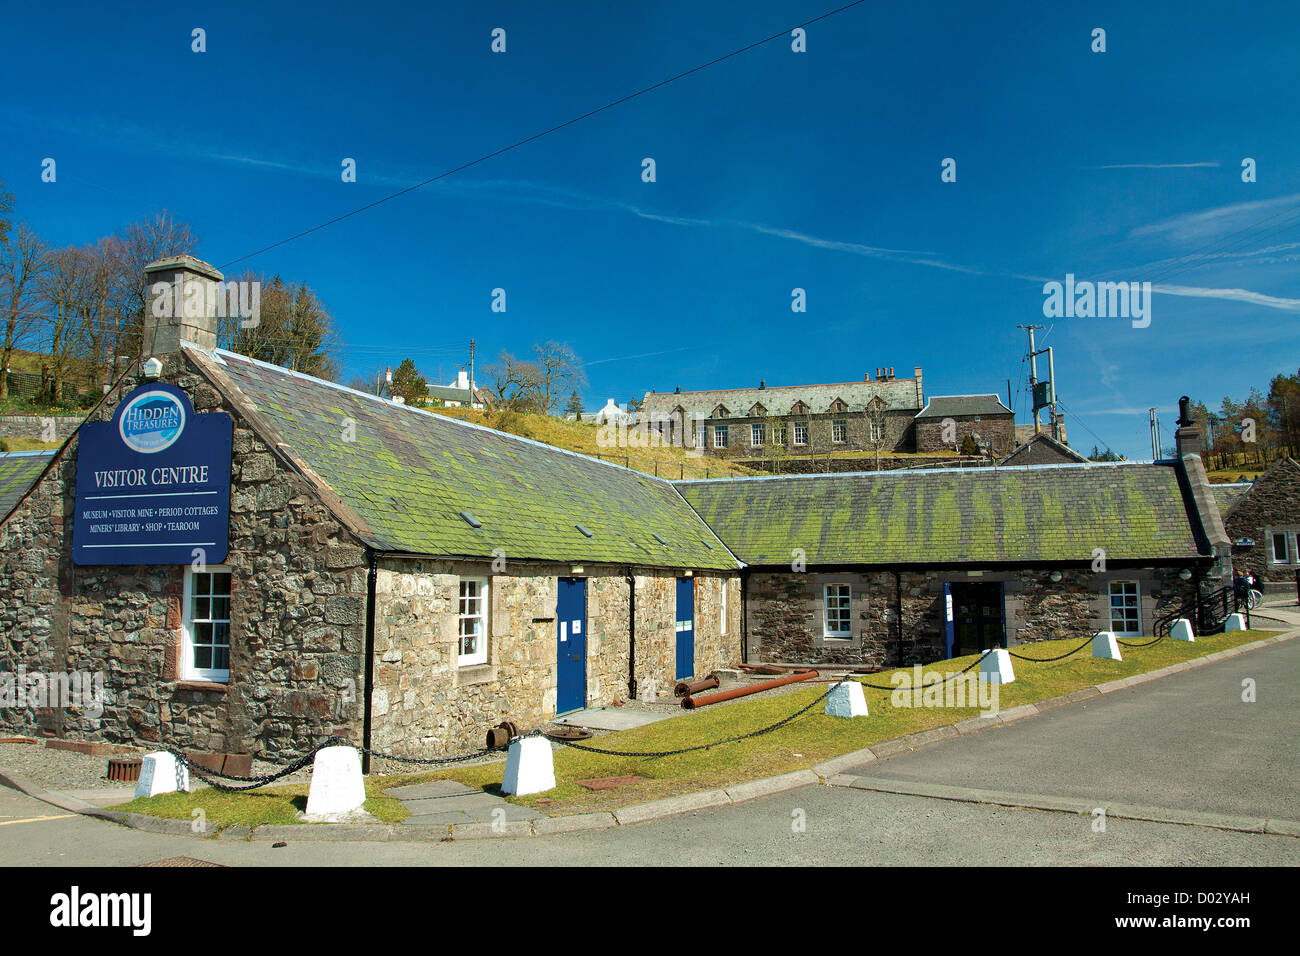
547	132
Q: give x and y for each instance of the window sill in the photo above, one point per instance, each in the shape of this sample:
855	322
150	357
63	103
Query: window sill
475	674
200	685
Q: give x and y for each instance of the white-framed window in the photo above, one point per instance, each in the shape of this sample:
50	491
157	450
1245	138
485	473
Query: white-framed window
837	603
877	430
472	621
719	436
205	625
779	434
1125	608
1283	545
801	433
839	431
758	434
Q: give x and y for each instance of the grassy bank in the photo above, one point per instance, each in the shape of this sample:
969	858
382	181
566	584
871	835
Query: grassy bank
798	745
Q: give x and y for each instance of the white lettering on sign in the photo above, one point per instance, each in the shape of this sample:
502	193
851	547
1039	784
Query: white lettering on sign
136	477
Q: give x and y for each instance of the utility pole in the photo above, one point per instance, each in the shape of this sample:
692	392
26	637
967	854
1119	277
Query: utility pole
471	371
1155	435
1033	375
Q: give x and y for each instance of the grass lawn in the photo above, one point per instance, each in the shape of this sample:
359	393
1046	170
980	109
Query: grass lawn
26	444
802	743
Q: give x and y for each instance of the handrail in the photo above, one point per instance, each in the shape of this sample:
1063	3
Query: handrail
1202	609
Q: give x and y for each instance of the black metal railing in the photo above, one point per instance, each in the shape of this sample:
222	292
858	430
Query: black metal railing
1208	612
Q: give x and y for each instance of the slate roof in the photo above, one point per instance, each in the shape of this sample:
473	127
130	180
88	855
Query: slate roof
1227	495
899	393
409	474
1043	449
958	516
18	470
955	406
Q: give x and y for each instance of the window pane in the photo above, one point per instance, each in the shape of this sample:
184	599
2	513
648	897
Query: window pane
201	608
221	658
202	656
220	609
221	583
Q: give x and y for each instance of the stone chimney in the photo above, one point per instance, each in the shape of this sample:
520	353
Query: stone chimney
182	293
1187	437
920	393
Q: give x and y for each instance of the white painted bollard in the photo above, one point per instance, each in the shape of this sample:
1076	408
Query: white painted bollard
1182	630
530	767
160	772
1235	622
337	787
846	700
995	667
1106	645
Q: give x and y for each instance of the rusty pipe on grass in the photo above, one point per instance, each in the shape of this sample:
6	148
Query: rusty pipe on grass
691	703
684	689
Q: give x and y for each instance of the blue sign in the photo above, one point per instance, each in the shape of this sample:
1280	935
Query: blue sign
153	485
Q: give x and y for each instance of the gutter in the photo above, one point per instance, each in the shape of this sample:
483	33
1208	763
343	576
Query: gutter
368	682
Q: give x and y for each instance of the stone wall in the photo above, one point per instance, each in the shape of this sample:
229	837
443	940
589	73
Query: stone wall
813	465
999	429
1272	502
786	611
424	704
39	427
297	614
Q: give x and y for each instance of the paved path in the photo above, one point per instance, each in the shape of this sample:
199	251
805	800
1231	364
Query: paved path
446	802
1186	742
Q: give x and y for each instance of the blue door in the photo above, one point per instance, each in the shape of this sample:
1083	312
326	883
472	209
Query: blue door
685	628
571	656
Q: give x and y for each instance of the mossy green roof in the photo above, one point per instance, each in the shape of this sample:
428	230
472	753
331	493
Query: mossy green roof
976	516
18	470
408	474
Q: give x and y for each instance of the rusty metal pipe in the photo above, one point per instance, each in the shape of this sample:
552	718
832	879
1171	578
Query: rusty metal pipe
690	703
502	734
684	689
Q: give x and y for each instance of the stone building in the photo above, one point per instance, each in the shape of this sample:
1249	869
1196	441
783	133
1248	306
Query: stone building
801	419
890	568
946	421
1263	521
331	563
1043	449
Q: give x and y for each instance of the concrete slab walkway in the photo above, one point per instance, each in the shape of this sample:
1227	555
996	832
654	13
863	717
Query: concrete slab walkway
443	802
611	718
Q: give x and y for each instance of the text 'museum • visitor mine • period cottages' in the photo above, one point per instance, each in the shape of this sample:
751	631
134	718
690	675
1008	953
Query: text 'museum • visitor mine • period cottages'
256	559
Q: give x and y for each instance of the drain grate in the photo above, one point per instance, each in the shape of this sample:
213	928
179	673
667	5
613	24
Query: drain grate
183	861
124	769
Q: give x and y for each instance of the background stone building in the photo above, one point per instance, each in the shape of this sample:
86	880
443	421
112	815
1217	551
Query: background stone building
947	420
802	419
1266	514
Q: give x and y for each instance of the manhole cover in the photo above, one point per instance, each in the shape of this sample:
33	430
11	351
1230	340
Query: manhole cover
607	783
567	733
182	861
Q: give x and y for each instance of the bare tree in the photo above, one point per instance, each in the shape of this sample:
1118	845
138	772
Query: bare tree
560	369
517	382
158	236
22	264
64	289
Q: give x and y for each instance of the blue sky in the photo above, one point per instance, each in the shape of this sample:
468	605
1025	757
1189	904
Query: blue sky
775	170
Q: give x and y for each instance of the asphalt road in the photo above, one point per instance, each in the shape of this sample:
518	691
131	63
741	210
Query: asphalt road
1185	740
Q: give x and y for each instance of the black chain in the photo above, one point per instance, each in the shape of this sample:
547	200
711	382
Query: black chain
1048	660
717	743
1147	644
251	783
428	761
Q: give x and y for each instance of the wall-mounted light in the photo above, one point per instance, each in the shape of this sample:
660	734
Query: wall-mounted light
152	368
1185	574
1055	577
